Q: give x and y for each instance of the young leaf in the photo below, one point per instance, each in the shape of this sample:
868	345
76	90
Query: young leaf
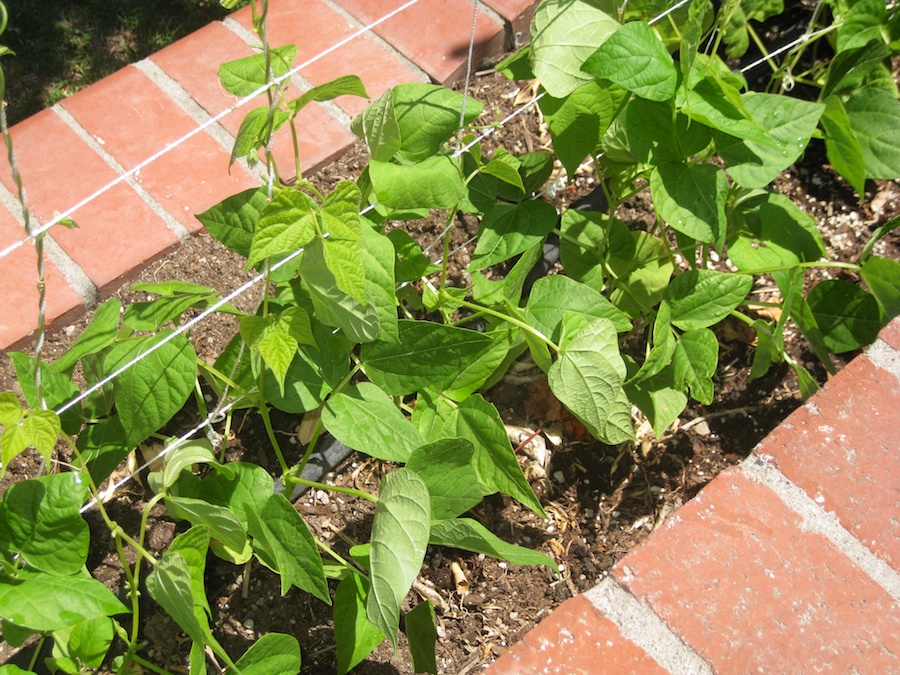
171	585
222	523
233	221
40	522
346	85
285	545
377	126
875	119
38	429
88	641
427	116
695	358
285	224
428	355
354	635
184	456
97	336
152	390
363	417
882	276
400	532
245	76
702	298
470	535
564	33
272	654
44	602
253	132
421	631
691	199
447	468
635	59
847	315
587	378
843	147
505	167
433	183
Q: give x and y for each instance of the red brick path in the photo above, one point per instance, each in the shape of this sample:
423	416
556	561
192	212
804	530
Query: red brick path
789	563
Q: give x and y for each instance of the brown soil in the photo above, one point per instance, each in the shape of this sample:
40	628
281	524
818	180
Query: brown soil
601	501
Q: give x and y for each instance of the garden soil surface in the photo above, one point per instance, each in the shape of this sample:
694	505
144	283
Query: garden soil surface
601	501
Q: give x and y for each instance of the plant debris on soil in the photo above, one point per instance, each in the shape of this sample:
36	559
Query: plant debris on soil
601	501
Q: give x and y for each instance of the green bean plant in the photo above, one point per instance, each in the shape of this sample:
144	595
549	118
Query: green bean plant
653	101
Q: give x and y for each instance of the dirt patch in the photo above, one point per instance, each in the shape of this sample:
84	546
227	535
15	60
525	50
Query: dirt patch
601	501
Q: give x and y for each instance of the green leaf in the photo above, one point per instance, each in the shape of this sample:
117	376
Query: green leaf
875	119
150	392
505	167
363	417
510	229
587	378
848	316
427	116
192	546
354	635
233	221
276	338
702	298
470	535
378	258
691	199
477	373
847	70
97	336
642	265
635	59
272	654
103	446
11	411
285	224
285	545
411	263
346	85
553	297
253	133
171	584
248	491
578	121
772	231
661	347
564	33
788	124
400	532
57	389
245	76
695	359
882	276
516	67
863	22
421	631
434	183
38	429
184	456
427	355
88	641
44	602
41	523
675	137
447	468
377	126
340	220
222	523
843	147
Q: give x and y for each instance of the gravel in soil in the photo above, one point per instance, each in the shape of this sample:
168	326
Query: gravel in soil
601	501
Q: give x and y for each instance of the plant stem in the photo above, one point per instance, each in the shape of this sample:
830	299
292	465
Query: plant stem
362	494
149	666
510	319
353	567
270	432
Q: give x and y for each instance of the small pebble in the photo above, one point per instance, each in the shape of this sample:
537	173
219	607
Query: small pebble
559	476
249	623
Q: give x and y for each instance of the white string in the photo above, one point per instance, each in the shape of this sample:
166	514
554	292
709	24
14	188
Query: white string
790	45
171	146
462	112
668	11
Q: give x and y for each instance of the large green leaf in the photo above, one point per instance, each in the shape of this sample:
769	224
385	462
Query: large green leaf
171	584
788	122
193	546
510	229
433	183
233	220
587	378
247	490
695	358
378	257
428	355
272	654
153	389
634	58
848	316
564	33
363	417
642	265
345	85
354	635
284	544
421	631
864	21
691	199
875	119
400	531
285	224
44	602
245	76
222	523
552	297
470	535
427	116
87	642
447	468
99	334
843	147
377	126
882	276
848	69
40	522
702	298
675	136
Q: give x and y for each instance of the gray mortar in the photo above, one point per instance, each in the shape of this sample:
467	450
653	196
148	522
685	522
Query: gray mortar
882	355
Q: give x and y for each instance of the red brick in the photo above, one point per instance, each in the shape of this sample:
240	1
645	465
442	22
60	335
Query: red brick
289	23
517	13
891	333
194	63
133	120
18	278
736	577
433	33
575	639
841	448
118	232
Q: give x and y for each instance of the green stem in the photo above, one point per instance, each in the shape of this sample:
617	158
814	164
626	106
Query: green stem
149	666
353	567
510	319
270	432
334	488
446	257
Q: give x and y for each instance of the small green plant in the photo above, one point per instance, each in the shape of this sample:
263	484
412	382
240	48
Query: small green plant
627	324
